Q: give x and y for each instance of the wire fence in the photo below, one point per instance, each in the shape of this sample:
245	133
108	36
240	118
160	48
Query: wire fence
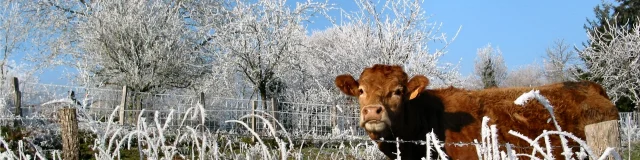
629	128
41	101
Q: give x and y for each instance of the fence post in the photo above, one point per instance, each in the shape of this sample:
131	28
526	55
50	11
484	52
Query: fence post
636	120
253	119
274	108
123	103
602	135
333	116
69	128
202	100
17	102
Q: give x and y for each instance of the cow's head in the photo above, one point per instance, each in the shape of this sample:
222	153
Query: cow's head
382	91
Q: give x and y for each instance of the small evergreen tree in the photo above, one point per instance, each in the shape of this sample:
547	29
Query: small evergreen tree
490	66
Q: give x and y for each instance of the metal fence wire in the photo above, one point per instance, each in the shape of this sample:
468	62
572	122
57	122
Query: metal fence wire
41	101
298	118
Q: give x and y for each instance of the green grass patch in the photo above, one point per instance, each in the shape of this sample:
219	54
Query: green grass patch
634	150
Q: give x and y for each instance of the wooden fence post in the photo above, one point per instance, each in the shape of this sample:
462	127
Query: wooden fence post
123	103
253	119
602	135
274	108
202	102
69	128
17	102
333	115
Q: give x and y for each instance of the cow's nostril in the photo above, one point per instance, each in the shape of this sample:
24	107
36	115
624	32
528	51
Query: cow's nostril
372	110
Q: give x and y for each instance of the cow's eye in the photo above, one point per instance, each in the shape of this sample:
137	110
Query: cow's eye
361	91
397	92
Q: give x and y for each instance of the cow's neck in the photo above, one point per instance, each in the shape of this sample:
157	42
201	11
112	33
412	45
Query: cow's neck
422	115
409	126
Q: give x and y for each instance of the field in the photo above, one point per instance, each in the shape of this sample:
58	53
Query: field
180	127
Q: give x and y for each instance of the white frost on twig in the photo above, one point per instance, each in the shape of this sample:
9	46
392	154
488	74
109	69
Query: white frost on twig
524	98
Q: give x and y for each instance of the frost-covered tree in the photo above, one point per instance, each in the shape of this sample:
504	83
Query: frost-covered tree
622	15
525	76
559	56
17	27
18	35
490	66
615	63
399	33
9	37
389	32
149	46
260	43
249	48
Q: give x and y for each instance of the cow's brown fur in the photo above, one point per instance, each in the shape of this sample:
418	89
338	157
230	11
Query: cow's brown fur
455	114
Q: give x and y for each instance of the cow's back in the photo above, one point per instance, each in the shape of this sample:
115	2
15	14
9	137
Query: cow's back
576	104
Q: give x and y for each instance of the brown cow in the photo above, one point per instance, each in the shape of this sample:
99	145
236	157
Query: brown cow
392	106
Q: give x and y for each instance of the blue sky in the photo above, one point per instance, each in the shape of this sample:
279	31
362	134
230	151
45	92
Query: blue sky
521	29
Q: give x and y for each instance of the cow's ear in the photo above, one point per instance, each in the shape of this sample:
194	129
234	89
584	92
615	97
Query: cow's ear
417	85
347	85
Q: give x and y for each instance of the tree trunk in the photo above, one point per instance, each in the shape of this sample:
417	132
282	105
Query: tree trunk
263	96
17	123
69	128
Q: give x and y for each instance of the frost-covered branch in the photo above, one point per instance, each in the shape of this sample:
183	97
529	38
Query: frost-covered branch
615	63
559	56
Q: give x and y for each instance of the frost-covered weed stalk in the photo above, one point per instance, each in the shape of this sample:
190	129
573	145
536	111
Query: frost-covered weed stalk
8	153
432	144
489	148
27	147
282	146
156	140
286	150
38	136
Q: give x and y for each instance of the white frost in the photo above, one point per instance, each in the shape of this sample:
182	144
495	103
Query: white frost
339	108
526	97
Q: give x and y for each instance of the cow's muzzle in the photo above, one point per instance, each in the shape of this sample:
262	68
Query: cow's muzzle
372	113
